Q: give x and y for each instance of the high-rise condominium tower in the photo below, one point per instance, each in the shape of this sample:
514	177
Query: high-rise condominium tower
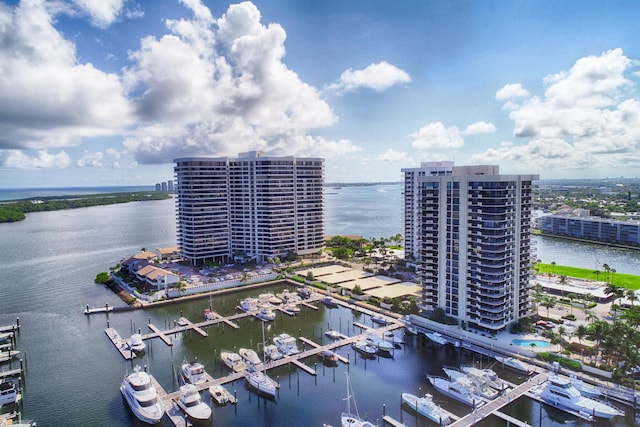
252	206
467	228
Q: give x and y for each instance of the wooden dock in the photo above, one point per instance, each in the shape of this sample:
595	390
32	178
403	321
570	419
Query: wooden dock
12	373
315	345
93	310
120	344
9	328
510	420
494	405
392	422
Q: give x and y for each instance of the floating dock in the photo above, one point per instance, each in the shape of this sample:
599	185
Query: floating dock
120	344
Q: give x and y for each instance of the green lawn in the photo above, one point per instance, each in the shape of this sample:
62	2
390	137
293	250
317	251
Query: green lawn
628	281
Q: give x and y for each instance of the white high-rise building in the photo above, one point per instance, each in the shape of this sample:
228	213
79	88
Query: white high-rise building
252	206
467	228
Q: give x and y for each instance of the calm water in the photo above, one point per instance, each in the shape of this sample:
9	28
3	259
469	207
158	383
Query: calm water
46	279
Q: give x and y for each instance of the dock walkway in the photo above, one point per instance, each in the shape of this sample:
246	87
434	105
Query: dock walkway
494	405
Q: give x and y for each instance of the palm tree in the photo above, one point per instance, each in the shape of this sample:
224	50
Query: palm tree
607	269
571	297
538	295
548	302
563	281
597	274
631	296
612	290
182	287
580	333
562	332
553	265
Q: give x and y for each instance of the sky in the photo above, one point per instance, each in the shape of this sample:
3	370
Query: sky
110	92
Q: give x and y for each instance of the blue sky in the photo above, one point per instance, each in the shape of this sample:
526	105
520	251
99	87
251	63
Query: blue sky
109	92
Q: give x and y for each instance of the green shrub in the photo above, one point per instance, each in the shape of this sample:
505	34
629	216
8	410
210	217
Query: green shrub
102	278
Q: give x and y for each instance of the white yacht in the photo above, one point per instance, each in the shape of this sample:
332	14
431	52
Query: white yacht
364	349
142	397
271	352
5	356
250	356
585	389
459	390
560	392
9	393
286	344
487	375
270	298
333	334
426	407
193	372
477	384
233	361
191	403
395	339
382	346
436	338
261	382
221	395
5	336
266	314
515	364
136	344
249	304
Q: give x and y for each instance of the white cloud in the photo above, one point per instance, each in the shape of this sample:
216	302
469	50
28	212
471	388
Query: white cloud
480	127
90	159
20	160
512	90
219	87
101	12
394	156
436	135
48	98
379	77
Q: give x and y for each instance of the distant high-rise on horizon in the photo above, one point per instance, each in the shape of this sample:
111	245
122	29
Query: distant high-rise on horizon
467	228
250	207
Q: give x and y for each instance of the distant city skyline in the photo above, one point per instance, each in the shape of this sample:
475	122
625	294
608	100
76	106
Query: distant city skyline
109	92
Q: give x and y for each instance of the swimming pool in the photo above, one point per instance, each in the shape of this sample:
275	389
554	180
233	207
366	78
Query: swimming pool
529	343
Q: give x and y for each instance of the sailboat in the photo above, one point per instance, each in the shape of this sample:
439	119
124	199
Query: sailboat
259	380
348	419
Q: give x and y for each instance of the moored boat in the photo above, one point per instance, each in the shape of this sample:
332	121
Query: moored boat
142	397
395	339
221	395
329	301
271	353
477	384
515	364
266	314
209	314
233	361
459	390
9	393
585	389
191	403
5	336
364	349
249	304
436	338
6	356
328	357
286	344
136	344
261	382
379	319
250	356
349	419
381	346
561	392
426	407
487	375
193	372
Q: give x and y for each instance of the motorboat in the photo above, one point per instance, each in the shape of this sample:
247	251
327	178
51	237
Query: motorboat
249	304
221	395
585	389
286	344
290	309
426	407
269	298
381	346
487	375
289	297
333	334
329	301
560	392
261	382
142	397
191	403
328	357
436	338
13	423
349	419
515	364
233	361
266	314
477	384
459	390
6	356
304	292
365	349
271	352
250	356
379	319
9	393
395	339
209	314
136	344
193	372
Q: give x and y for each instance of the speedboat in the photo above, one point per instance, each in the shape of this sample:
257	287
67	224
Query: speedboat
304	293
329	301
270	298
365	349
250	356
233	361
379	319
381	345
9	393
221	395
261	382
136	344
349	419
271	352
561	392
436	338
289	297
513	363
291	309
142	397
333	334
266	314
193	372
426	407
286	344
487	375
585	389
249	304
191	403
478	386
459	390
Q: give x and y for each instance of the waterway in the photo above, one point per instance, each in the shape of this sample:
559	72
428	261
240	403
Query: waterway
48	265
